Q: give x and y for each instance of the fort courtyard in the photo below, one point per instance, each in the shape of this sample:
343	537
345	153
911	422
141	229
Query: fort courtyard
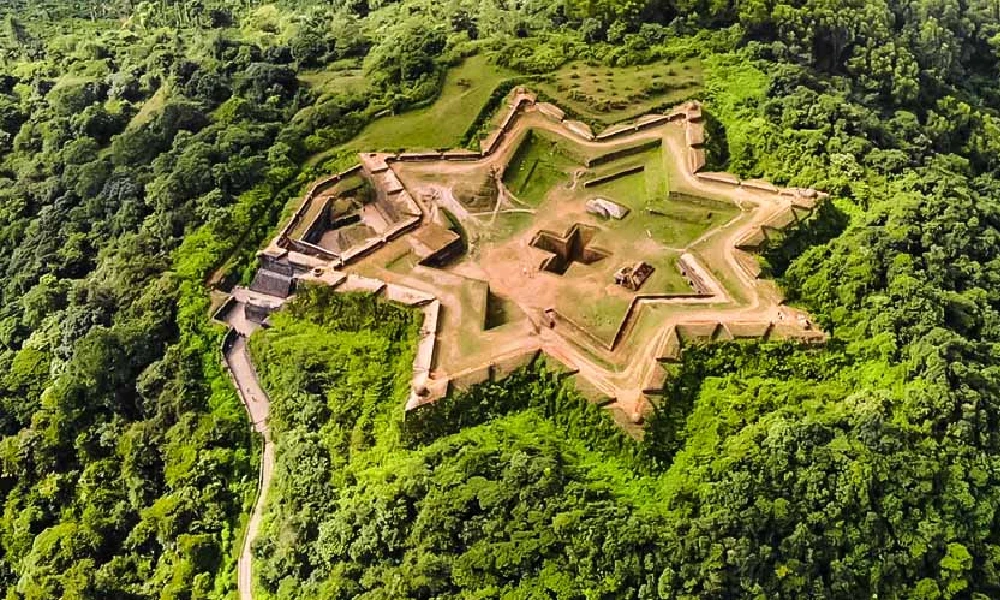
605	253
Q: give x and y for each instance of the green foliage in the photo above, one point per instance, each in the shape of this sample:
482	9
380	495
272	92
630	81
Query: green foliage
604	95
148	147
818	227
360	505
865	468
467	90
493	104
406	55
137	164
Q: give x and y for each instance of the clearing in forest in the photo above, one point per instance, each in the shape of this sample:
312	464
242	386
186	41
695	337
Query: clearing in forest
466	89
606	252
611	95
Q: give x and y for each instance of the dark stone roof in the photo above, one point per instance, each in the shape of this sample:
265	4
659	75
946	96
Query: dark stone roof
271	283
256	313
281	267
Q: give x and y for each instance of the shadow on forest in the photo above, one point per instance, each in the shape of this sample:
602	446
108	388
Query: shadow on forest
538	387
667	428
826	222
716	143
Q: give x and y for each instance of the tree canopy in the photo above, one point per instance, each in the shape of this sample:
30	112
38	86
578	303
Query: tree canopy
147	149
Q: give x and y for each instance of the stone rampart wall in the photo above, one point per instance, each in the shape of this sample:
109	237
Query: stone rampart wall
612	176
623	152
628	321
311	193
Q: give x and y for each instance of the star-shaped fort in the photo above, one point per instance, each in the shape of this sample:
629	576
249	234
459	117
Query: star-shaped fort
605	252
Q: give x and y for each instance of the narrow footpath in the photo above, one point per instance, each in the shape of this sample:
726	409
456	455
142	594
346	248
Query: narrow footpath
257	405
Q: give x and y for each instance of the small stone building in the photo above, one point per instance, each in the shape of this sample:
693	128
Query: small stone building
633	276
272	283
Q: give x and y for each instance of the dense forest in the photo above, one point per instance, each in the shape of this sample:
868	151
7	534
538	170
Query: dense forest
148	148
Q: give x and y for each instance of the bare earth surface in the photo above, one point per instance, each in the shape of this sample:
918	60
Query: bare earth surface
510	266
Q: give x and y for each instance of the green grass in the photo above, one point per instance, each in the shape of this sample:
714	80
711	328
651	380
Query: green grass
344	187
151	107
678	222
538	165
629	190
473	296
599	315
667	277
329	81
508	225
300	229
679	219
727	279
347	185
637	191
404	263
608	96
442	124
734	87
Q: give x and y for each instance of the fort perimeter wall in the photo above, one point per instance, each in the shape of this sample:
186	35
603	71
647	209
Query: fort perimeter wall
424	389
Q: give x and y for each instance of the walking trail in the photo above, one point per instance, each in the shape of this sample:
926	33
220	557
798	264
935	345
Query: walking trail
257	404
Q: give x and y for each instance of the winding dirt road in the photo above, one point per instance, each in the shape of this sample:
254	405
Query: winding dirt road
257	404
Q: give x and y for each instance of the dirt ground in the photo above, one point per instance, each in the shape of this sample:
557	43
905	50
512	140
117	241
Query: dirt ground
258	406
580	317
500	255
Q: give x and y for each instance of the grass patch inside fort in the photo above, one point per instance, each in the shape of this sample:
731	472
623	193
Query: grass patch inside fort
466	89
599	315
671	218
636	190
667	278
609	95
539	164
676	223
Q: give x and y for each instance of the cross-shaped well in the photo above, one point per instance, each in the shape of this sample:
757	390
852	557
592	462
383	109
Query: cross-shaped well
567	249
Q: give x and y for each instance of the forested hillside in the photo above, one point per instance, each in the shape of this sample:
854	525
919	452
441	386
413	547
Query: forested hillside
148	148
138	157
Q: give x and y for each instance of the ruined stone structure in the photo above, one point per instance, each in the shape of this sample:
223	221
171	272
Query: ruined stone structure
606	208
272	283
393	219
567	249
633	276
